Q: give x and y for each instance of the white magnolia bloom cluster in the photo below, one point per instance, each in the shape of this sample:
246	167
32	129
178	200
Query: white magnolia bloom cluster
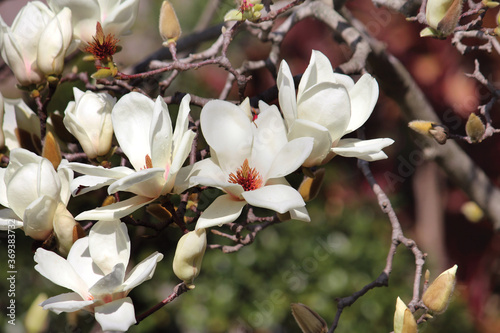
41	36
250	156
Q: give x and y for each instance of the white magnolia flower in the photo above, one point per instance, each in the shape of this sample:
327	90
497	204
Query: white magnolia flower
36	197
95	271
143	130
116	16
21	126
328	106
189	255
249	161
88	118
36	43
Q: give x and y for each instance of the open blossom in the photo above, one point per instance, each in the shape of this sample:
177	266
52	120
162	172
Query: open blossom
36	43
116	17
88	118
143	129
249	161
95	271
328	106
36	196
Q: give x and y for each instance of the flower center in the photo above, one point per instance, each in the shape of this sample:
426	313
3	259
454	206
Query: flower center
247	177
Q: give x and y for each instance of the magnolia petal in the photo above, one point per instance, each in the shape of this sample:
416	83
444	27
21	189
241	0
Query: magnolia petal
364	96
319	70
38	218
359	148
182	122
118	315
270	137
110	282
109	245
132	116
116	210
326	104
228	132
224	209
79	258
300	214
160	135
85	184
181	153
99	171
30	182
68	302
59	271
207	169
142	271
320	134
146	182
294	153
286	94
66	176
280	198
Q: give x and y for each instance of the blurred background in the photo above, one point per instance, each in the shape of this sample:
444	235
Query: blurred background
346	244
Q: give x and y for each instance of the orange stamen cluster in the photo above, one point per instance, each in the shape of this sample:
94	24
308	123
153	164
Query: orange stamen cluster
104	46
247	177
148	164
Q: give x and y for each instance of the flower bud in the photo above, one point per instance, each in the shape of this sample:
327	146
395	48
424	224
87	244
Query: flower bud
472	211
437	297
404	322
442	17
309	188
436	131
188	256
36	319
490	4
54	42
308	320
474	128
170	29
88	118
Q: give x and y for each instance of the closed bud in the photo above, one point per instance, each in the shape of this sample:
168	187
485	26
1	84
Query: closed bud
442	17
308	320
404	321
170	29
437	296
189	255
436	131
309	188
103	73
36	319
158	211
475	128
490	4
472	211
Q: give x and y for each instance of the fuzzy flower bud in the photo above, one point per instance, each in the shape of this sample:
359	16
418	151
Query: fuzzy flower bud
404	322
308	320
475	128
189	254
437	296
170	29
442	17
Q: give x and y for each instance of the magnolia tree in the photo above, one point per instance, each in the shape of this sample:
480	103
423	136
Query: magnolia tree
229	170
